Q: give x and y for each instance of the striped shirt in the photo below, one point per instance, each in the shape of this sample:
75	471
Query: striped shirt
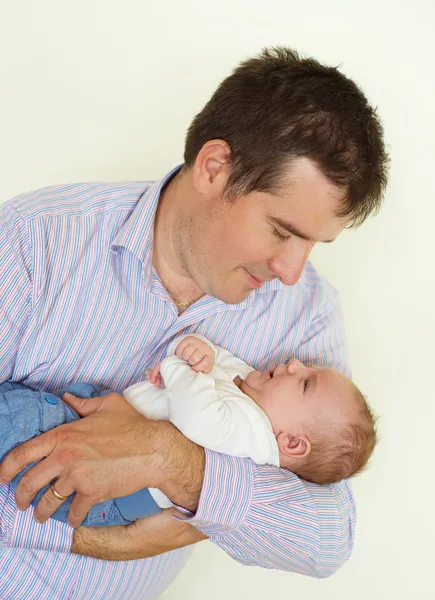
81	301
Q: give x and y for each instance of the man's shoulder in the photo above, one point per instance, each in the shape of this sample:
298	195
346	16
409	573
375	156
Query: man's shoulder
79	199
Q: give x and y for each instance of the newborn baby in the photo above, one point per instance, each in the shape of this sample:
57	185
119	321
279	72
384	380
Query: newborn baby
311	420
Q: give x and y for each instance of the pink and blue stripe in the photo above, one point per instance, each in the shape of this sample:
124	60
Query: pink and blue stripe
80	301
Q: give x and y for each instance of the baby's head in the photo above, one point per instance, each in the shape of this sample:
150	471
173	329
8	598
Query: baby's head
323	426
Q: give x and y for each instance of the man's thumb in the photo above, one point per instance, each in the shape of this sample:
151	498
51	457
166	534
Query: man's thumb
83	406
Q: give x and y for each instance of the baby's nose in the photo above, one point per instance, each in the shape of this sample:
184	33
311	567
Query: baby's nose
293	365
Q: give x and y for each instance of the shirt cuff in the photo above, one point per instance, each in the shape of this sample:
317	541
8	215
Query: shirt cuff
18	529
226	494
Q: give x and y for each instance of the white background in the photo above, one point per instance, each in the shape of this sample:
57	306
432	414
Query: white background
105	89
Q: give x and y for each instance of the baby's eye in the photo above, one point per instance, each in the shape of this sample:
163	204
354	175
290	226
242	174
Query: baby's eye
306	384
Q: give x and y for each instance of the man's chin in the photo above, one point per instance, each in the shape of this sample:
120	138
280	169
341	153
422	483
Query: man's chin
232	297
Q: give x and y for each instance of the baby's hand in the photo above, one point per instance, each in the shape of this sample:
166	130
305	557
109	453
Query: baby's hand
197	353
155	377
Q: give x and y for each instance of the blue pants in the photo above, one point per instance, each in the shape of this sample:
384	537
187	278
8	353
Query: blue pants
26	413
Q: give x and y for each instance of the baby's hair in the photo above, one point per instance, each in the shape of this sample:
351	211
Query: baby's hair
346	449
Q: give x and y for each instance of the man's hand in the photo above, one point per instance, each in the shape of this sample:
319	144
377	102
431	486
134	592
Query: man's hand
197	353
113	451
142	539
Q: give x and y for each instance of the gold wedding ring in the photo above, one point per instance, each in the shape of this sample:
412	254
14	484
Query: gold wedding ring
56	493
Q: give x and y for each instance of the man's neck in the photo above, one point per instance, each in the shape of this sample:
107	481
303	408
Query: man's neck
168	236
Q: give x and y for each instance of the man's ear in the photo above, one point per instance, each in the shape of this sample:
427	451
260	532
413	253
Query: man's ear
293	446
211	167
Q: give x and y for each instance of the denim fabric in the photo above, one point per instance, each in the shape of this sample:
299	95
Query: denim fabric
26	413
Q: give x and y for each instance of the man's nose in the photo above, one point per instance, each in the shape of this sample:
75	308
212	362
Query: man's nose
290	262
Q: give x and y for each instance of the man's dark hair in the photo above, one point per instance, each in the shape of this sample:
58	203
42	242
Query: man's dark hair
278	107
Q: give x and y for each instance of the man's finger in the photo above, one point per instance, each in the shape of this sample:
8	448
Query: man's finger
31	451
80	506
84	406
49	503
35	479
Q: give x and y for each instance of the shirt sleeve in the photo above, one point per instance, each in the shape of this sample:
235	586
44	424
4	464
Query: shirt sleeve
268	517
20	530
148	399
15	286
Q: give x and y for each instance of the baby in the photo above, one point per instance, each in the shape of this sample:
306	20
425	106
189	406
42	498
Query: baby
310	420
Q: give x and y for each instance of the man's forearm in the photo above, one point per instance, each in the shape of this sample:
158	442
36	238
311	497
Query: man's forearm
179	465
98	542
145	538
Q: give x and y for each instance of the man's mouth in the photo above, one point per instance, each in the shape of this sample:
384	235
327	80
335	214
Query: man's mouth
254	282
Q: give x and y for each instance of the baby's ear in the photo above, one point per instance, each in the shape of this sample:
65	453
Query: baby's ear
293	446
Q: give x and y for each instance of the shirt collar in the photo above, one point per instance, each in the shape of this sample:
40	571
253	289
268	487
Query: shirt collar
137	236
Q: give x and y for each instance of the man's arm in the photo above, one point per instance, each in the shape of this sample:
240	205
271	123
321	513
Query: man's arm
180	463
84	459
259	515
143	539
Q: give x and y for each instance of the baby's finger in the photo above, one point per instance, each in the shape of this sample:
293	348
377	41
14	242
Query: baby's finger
180	349
159	381
203	366
182	345
196	357
154	374
188	352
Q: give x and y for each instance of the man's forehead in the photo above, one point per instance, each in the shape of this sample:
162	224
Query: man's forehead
307	202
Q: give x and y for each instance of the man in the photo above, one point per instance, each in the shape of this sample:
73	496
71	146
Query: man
97	279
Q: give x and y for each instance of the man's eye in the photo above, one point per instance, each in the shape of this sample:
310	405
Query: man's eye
279	235
306	384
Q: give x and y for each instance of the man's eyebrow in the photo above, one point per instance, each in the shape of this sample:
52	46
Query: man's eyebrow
293	230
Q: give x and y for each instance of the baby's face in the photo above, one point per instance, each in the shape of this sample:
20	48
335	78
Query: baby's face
294	394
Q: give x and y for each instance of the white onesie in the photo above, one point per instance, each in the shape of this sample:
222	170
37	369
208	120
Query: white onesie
208	409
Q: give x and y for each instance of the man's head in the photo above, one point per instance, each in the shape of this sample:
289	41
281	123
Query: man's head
323	426
286	153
